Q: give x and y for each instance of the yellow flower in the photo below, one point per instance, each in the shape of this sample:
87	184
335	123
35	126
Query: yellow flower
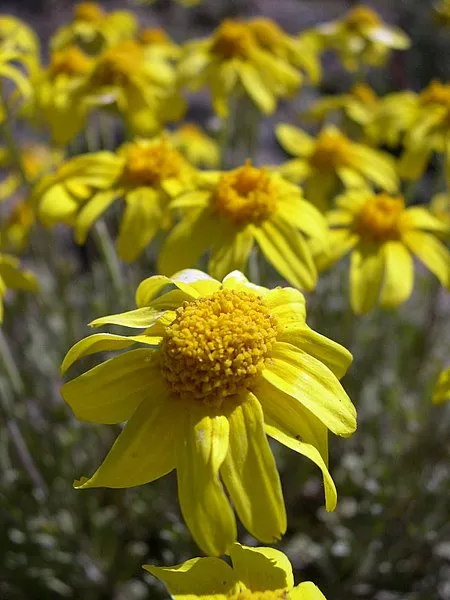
139	84
14	278
196	146
362	38
442	389
230	62
223	365
146	174
16	227
440	207
383	236
256	574
230	211
331	160
93	29
13	67
392	116
157	41
359	105
17	37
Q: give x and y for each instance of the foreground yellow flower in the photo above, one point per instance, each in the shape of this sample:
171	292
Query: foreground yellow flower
442	390
196	146
232	61
145	174
331	160
256	574
361	38
383	237
223	364
12	277
93	29
231	211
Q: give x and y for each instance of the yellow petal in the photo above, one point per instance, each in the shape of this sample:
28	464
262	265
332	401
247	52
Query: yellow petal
287	305
366	275
231	253
320	188
139	224
398	275
442	390
56	206
431	252
153	287
144	450
256	88
261	569
414	160
94	208
294	140
311	383
305	217
111	392
198	576
250	474
14	277
340	242
136	319
202	448
306	591
418	217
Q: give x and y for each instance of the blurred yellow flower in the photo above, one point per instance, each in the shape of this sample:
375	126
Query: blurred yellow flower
231	62
146	174
196	146
256	574
230	211
224	365
331	160
17	37
359	105
93	29
13	69
158	42
383	237
16	227
442	389
392	116
14	278
440	207
362	38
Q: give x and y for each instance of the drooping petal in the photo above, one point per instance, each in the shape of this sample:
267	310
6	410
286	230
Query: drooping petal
366	275
202	447
305	217
340	242
111	392
294	140
431	252
144	450
256	88
320	188
311	383
93	209
231	253
250	474
398	275
261	569
14	277
135	319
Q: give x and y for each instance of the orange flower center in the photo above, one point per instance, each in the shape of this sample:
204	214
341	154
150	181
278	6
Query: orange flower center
245	195
331	151
268	595
379	219
362	17
364	94
154	36
232	40
436	93
149	165
70	61
89	12
217	345
119	64
267	33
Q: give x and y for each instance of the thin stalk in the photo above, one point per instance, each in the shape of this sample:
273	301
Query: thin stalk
10	366
108	252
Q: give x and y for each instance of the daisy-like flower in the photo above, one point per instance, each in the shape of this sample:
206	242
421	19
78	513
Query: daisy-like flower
232	62
256	574
230	211
362	38
442	390
332	160
146	174
138	84
16	227
223	365
159	42
12	277
93	29
199	149
383	237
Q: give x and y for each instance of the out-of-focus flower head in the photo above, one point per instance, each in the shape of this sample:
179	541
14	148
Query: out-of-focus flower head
442	390
256	574
196	146
232	211
145	174
362	38
19	38
157	41
392	116
136	83
442	12
223	365
93	29
383	236
331	160
13	277
230	62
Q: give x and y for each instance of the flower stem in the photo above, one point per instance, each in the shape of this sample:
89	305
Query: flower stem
108	252
10	366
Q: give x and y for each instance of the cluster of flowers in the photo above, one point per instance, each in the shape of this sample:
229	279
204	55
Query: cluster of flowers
223	362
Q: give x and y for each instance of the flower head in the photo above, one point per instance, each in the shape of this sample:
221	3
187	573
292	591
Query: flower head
223	364
256	574
331	160
12	277
230	211
383	237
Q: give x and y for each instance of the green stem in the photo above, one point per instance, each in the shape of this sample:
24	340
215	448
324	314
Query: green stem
108	251
10	366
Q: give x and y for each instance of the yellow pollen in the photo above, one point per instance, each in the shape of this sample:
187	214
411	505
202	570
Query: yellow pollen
268	34
89	12
155	36
245	195
379	219
436	93
233	39
150	165
268	595
119	64
70	61
364	94
216	346
361	17
331	151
